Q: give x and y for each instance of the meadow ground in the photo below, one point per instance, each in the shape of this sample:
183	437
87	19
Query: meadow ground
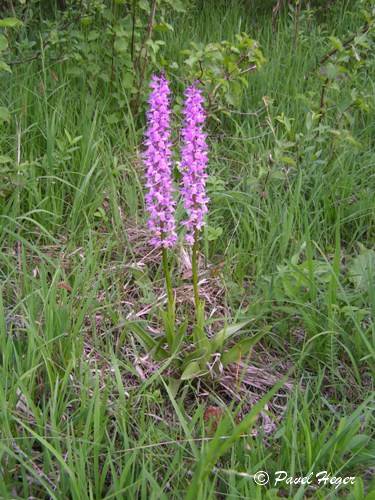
84	411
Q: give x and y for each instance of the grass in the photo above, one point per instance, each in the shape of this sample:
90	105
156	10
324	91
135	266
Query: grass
84	413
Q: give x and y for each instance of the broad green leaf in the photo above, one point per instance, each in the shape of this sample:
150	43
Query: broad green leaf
121	45
128	80
287	160
180	332
199	334
163	27
173	385
3	42
183	421
242	348
148	342
336	43
362	270
4	114
192	370
144	5
201	355
356	442
86	20
93	35
5	67
5	159
220	338
10	22
213	233
169	326
176	5
332	71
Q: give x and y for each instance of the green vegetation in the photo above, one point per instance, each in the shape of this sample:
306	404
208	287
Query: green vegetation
85	410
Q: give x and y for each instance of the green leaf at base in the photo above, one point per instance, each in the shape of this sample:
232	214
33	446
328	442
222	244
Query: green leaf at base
192	370
242	348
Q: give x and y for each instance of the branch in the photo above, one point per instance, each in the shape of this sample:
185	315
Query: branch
365	29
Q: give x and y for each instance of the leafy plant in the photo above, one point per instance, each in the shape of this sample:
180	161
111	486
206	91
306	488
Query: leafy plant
223	68
205	355
343	61
362	270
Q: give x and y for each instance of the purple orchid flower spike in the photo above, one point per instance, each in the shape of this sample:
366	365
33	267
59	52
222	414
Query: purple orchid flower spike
157	159
194	162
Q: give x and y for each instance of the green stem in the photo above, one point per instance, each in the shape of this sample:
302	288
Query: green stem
199	336
194	268
168	280
170	297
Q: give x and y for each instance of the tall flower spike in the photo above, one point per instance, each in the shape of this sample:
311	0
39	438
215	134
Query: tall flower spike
157	158
194	162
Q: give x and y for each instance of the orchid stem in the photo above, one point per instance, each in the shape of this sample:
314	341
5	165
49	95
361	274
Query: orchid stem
168	284
194	268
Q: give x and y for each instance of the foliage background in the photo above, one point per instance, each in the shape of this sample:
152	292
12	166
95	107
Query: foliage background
289	247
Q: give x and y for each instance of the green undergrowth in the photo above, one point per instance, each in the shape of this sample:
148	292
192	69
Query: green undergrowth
290	243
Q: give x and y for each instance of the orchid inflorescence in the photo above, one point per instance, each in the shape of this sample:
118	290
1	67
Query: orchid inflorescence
160	203
157	157
193	163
